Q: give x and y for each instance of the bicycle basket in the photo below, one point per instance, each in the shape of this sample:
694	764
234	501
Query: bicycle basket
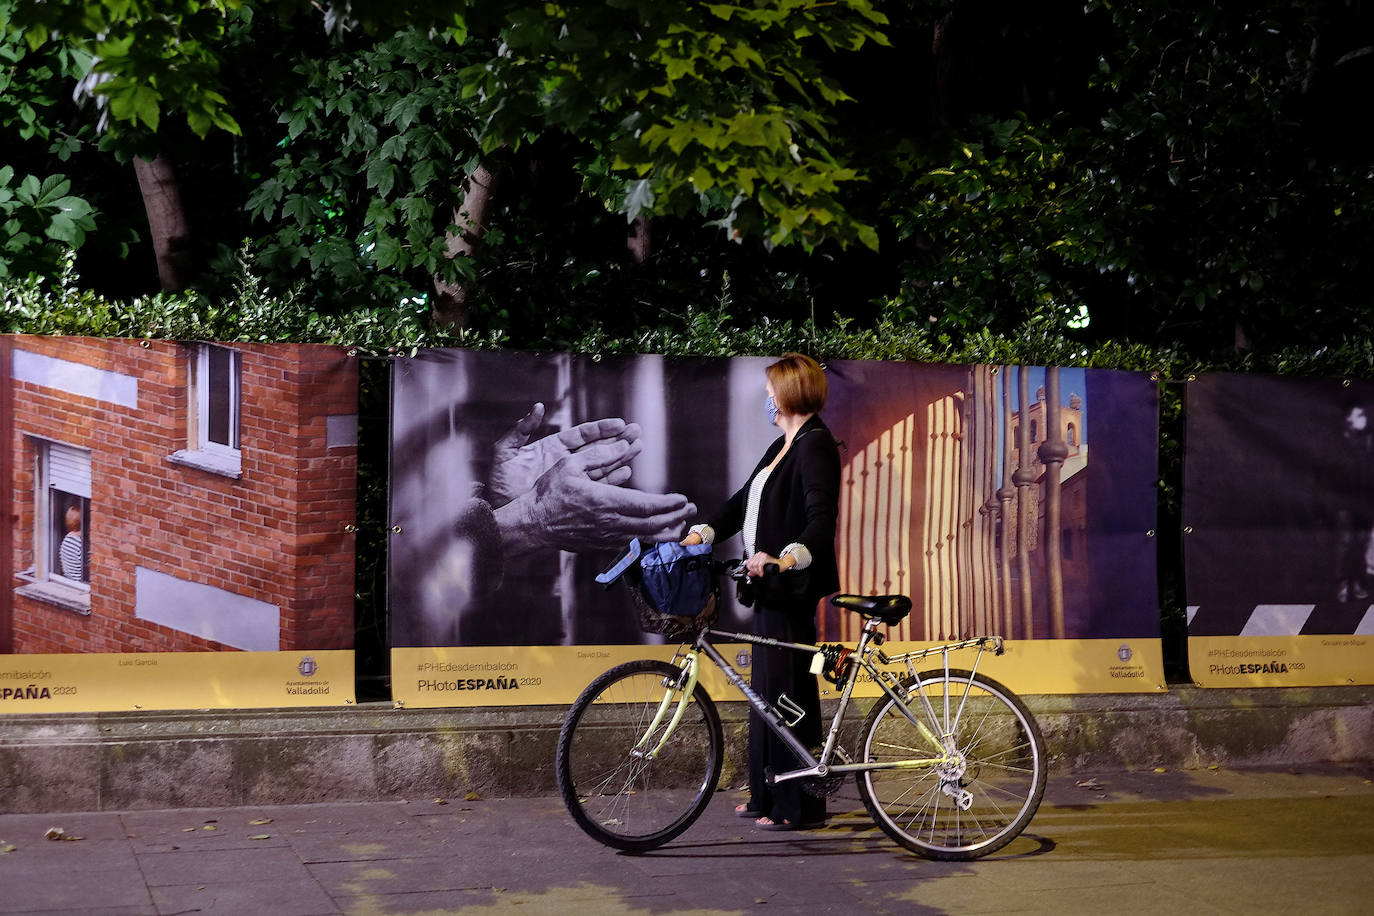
674	590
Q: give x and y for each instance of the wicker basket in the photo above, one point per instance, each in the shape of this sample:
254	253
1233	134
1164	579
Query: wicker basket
677	622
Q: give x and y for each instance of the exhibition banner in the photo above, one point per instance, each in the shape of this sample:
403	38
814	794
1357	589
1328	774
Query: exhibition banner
170	501
555	675
113	682
1278	498
986	493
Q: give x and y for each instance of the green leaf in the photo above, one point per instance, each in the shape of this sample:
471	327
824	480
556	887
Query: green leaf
639	197
386	251
300	208
381	175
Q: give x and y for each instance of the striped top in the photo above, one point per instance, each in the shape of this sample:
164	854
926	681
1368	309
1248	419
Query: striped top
72	558
751	511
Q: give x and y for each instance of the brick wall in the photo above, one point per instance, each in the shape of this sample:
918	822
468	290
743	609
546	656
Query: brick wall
276	534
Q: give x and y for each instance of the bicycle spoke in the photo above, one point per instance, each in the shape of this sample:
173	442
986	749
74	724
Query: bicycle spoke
981	791
613	788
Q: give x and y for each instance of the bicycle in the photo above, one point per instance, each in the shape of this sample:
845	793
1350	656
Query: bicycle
950	763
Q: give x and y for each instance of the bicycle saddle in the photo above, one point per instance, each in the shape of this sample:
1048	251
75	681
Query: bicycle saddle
890	609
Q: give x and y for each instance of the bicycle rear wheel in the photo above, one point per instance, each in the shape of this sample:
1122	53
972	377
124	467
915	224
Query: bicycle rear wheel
988	785
617	787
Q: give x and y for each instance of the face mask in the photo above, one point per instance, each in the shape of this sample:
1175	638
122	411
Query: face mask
770	407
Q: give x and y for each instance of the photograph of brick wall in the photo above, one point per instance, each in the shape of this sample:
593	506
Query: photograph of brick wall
171	496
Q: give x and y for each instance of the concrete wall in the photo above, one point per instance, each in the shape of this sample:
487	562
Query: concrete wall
120	761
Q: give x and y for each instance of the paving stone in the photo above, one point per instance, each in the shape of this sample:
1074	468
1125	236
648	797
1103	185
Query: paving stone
278	898
220	866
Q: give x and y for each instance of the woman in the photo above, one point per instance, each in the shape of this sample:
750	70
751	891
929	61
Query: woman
786	511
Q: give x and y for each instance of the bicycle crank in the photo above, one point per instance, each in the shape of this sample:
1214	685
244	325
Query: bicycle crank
827	785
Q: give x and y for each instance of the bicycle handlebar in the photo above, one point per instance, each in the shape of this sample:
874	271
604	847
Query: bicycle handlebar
735	569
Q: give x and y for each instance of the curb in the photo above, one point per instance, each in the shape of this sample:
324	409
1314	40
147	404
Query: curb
211	758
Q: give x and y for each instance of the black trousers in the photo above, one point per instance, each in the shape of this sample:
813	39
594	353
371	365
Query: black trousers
777	672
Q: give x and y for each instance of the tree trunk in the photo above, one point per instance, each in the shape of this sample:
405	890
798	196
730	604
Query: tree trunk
942	58
640	239
167	222
469	224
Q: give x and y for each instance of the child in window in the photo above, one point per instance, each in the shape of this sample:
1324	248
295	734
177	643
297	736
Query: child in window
70	554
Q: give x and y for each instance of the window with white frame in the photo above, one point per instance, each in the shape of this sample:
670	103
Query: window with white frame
215	383
62	511
212	424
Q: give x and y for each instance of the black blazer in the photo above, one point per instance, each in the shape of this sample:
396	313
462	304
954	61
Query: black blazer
800	504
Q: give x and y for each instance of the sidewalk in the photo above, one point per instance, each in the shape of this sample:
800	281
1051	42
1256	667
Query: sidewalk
1202	842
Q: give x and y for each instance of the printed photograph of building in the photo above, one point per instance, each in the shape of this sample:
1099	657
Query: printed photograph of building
970	488
169	496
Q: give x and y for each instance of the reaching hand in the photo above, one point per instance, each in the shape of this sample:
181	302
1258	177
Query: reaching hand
758	562
575	506
518	464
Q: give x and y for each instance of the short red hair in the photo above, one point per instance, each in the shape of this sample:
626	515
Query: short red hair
798	384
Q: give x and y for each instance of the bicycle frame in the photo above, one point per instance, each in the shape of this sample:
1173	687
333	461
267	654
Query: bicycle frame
867	652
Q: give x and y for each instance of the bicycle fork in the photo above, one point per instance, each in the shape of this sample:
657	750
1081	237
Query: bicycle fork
683	687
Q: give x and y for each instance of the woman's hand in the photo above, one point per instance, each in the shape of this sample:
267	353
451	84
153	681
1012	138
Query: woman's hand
760	560
692	539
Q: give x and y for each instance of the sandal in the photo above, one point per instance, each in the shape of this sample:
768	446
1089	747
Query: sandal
746	811
767	823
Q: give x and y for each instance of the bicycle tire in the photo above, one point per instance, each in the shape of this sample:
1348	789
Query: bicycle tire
622	799
999	760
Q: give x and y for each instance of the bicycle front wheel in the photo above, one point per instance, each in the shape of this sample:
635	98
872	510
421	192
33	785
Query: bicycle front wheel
966	781
631	777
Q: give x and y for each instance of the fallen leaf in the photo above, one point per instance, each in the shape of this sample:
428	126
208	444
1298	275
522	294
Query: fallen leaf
260	822
261	836
57	833
209	827
472	796
1160	770
441	801
7	847
1089	784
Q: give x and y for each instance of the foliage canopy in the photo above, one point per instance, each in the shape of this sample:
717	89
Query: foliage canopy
1180	175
